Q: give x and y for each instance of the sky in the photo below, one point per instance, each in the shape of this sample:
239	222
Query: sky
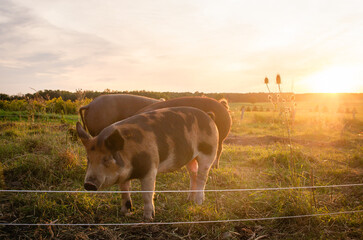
189	45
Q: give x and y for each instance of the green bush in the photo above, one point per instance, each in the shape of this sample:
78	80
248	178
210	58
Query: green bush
55	105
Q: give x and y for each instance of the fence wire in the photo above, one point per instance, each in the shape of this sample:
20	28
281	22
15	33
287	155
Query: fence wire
182	191
186	191
180	223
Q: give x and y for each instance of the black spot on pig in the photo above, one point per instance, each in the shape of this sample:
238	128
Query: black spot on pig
114	142
189	120
141	164
170	125
183	151
173	123
163	146
205	148
203	124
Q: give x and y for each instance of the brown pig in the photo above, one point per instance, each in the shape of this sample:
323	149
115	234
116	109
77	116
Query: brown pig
107	109
143	145
209	105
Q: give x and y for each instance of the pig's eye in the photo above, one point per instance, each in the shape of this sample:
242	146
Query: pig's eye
118	159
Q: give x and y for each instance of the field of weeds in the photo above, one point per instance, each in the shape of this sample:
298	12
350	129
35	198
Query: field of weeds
317	148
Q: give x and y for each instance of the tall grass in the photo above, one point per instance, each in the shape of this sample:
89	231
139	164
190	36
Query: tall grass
43	155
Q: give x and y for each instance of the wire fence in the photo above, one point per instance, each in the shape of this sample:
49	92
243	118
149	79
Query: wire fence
176	223
184	191
188	191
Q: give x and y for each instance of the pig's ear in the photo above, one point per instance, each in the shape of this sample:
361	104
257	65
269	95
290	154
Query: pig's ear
212	115
83	135
114	141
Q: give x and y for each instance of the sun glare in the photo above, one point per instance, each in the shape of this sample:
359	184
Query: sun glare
337	79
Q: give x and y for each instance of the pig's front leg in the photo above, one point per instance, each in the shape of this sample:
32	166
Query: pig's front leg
148	184
126	204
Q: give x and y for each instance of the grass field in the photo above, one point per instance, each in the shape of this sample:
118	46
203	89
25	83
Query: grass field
318	148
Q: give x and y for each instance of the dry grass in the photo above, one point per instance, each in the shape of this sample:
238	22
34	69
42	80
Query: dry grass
42	155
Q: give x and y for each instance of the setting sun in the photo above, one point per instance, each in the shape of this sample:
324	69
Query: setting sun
336	79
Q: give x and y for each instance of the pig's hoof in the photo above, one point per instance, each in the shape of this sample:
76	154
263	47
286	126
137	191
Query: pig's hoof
191	197
199	200
149	217
126	211
128	214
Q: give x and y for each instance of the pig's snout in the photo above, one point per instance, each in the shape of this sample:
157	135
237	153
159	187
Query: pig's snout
90	187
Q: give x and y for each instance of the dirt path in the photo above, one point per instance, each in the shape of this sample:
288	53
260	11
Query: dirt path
250	140
254	140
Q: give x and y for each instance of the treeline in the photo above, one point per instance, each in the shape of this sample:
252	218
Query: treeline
48	95
303	97
79	94
65	102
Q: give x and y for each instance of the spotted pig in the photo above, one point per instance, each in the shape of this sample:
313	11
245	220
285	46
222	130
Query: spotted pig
149	143
218	108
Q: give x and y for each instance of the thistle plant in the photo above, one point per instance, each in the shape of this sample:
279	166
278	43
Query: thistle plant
287	115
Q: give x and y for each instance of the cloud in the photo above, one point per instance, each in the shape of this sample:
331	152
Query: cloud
35	51
173	45
42	57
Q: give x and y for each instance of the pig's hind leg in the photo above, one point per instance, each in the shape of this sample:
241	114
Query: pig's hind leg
192	168
204	165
